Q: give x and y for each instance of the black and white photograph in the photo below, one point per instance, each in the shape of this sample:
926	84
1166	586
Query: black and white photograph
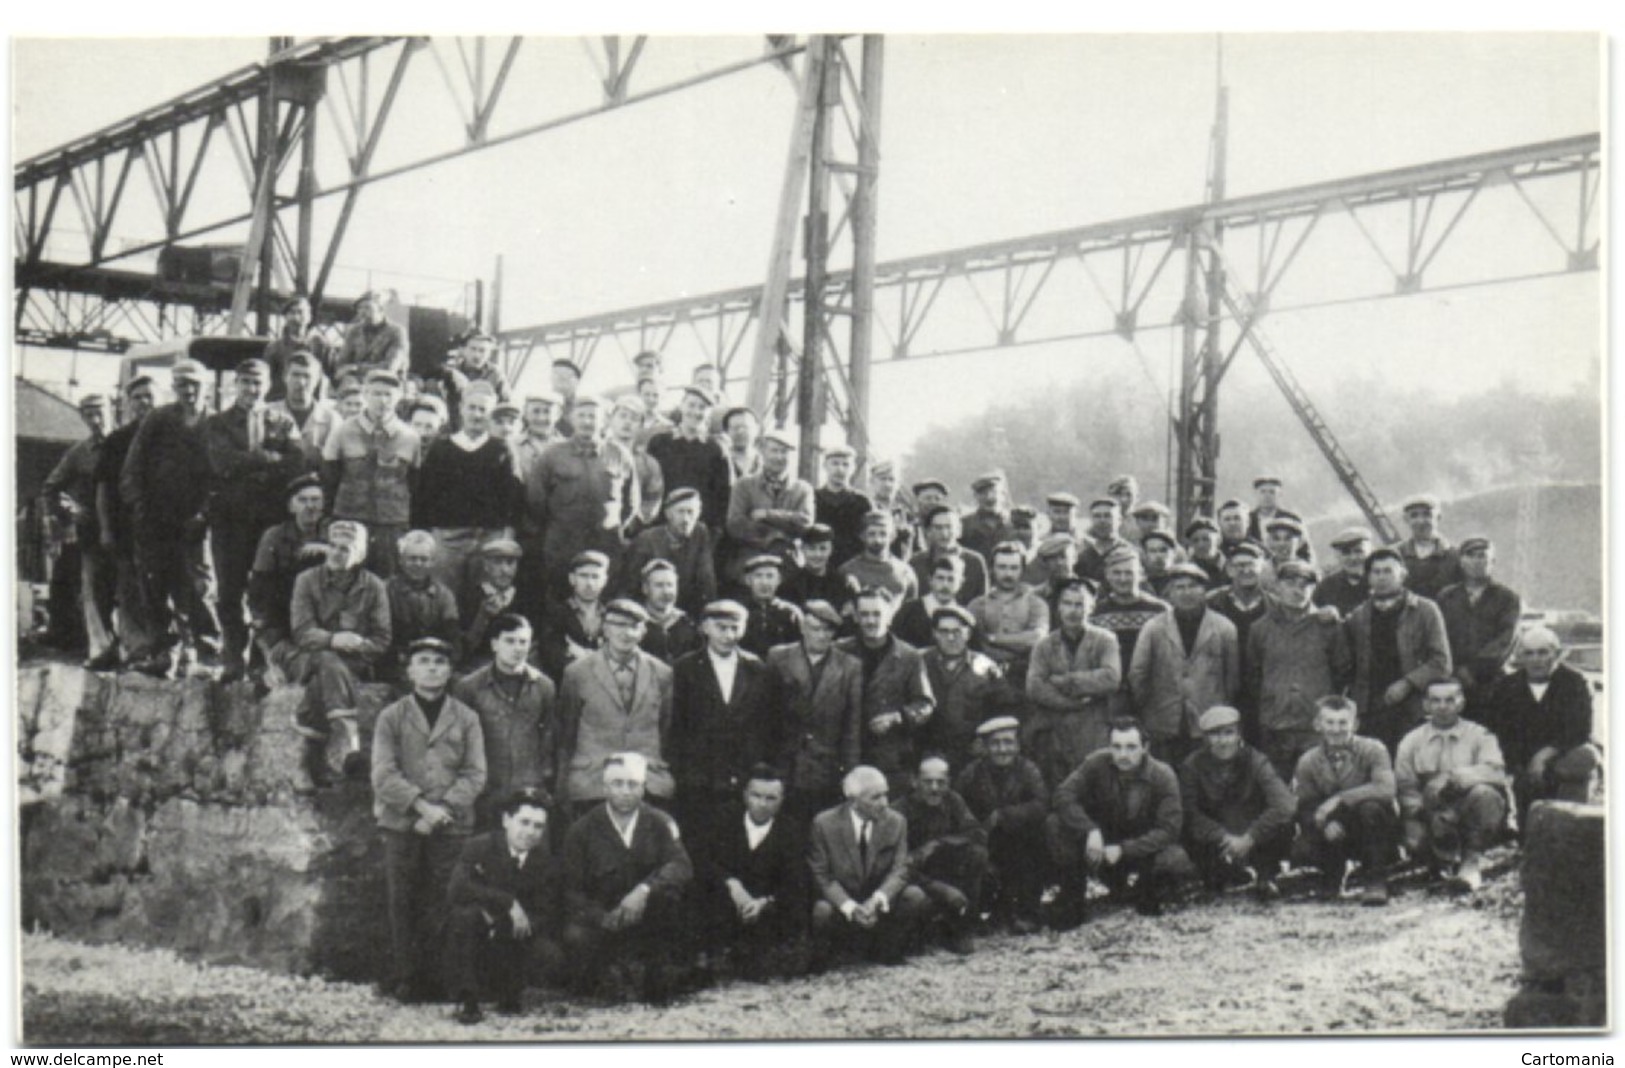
739	537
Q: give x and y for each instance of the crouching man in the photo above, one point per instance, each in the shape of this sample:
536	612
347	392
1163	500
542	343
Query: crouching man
1452	786
858	854
505	910
625	873
1238	812
1118	815
947	852
1345	788
1006	793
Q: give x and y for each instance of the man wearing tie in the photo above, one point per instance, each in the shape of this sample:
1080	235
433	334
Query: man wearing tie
858	854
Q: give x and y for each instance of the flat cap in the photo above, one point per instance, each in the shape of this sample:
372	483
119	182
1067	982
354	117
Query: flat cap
681	494
92	400
431	402
1420	500
930	483
254	366
1121	554
146	380
1023	515
1218	716
953	611
824	611
1055	545
563	362
480	388
502	548
1200	523
701	392
1286	523
1187	571
997	724
777	437
876	518
982	482
302	483
370	295
626	609
840	450
1384	553
349	388
883	467
429	645
189	369
1160	535
1351	536
659	563
586	400
1474	544
1248	548
1123	482
588	558
818	534
647	356
380	377
1106	502
505	408
726	609
544	396
630	402
1298	569
1156	508
1062	500
1266	480
756	563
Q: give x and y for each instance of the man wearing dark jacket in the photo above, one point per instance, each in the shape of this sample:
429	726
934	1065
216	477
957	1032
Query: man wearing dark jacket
1399	645
753	878
1238	812
1480	619
897	697
518	710
947	855
1006	793
820	704
506	910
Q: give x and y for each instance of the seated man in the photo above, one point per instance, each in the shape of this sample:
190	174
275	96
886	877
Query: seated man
1345	788
625	874
858	853
1238	812
947	855
1541	713
1117	816
284	552
420	605
1006	793
505	910
753	875
1451	779
341	630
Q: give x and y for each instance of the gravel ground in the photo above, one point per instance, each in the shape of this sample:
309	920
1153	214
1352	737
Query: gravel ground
1428	962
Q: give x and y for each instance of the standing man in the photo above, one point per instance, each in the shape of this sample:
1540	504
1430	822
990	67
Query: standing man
540	411
370	465
740	429
1202	549
573	628
1053	564
840	507
315	419
1063	515
1076	674
1149	517
815	579
1185	662
1431	562
1118	814
769	620
1012	618
928	493
1480	619
913	620
297	335
876	566
492	593
165	485
253	453
1243	602
1160	552
1235	519
1125	490
474	362
1346	810
1006	793
566	384
767	512
574	501
1294	657
616	700
691	458
116	526
1452	787
1267	507
819	691
428	766
1238	812
70	489
517	707
889	496
897	697
989	524
373	342
1124	609
420	605
1102	540
670	631
941	526
468	492
968	686
1399	646
640	487
1345	588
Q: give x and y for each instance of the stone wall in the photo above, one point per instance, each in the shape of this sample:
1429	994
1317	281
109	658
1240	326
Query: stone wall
178	814
1563	939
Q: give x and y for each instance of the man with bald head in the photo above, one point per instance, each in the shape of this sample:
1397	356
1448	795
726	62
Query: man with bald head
947	852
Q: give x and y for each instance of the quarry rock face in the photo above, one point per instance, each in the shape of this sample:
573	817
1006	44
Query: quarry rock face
178	814
1563	940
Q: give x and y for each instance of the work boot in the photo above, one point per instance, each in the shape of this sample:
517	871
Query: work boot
107	661
469	1014
1468	877
1375	893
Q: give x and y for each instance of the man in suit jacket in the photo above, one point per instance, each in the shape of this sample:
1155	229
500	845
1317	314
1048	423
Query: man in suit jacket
858	853
625	876
820	707
897	697
722	710
615	700
1185	662
753	877
506	909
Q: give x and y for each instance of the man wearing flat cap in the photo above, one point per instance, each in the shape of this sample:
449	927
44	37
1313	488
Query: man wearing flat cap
928	494
767	512
1480	619
1006	792
473	361
370	466
1185	662
541	410
840	507
1344	588
1431	562
1159	552
942	528
1243	602
285	551
640	486
253	452
1148	516
573	627
989	523
820	702
297	335
723	720
372	340
1052	565
813	577
420	605
1399	645
70	492
1102	539
1073	684
691	458
968	686
670	632
615	699
1024	521
1294	656
1238	811
1267	508
889	495
770	619
565	383
1202	549
116	529
1284	538
494	591
468	492
876	566
428	767
1124	608
686	543
1063	514
165	484
573	497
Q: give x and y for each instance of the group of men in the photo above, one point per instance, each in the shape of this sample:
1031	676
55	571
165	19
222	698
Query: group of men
660	693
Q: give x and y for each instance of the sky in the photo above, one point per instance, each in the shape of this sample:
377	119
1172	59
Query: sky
983	138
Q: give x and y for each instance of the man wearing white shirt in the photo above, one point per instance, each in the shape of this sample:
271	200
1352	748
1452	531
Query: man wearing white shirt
754	879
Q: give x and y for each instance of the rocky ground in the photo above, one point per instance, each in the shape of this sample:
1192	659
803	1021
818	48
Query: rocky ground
1428	962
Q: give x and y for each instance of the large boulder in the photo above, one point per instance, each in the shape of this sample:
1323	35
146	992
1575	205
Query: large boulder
1563	939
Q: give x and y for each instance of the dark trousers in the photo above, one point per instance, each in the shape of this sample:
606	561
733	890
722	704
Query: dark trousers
233	541
134	618
417	868
1020	870
962	867
1371	836
1283	748
765	945
484	957
1465	822
180	585
1265	859
655	942
887	941
1068	849
1173	749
